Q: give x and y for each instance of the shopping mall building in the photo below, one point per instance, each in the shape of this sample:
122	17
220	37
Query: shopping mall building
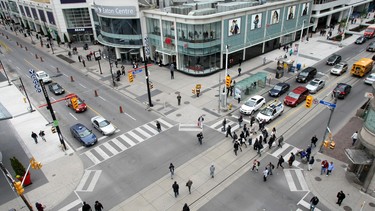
192	34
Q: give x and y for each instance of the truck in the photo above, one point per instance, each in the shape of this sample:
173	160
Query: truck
362	67
74	102
370	31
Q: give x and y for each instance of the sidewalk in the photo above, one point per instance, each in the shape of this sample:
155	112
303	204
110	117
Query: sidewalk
159	196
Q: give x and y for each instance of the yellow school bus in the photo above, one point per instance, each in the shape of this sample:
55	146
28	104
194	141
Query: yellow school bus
362	67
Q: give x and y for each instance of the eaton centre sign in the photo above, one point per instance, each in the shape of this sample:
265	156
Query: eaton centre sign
125	11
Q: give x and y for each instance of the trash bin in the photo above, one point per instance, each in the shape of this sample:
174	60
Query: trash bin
279	74
299	66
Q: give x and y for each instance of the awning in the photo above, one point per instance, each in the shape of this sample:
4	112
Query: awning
358	156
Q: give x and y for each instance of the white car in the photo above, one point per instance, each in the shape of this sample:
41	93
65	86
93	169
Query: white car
103	125
252	104
370	79
339	68
274	109
315	85
44	76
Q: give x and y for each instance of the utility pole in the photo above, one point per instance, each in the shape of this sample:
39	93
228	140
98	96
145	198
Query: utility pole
329	122
300	42
147	78
226	73
110	68
55	121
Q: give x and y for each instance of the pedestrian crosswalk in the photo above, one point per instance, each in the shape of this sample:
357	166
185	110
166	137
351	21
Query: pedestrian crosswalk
219	125
295	179
125	141
189	127
305	204
285	151
89	175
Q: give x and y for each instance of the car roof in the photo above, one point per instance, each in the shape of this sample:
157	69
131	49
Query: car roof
98	118
41	72
308	69
256	97
317	80
299	89
281	84
78	127
342	84
341	63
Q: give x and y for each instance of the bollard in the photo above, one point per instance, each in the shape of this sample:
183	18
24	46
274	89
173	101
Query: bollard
17	43
36	56
25	48
96	93
57	69
21	45
7	37
121	111
71	79
230	106
41	59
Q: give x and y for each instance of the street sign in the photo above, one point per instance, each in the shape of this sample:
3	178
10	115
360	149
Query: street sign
35	80
369	95
137	71
327	103
316	101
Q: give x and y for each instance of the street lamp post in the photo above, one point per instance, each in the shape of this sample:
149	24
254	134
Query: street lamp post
329	122
5	72
147	79
226	73
110	68
27	96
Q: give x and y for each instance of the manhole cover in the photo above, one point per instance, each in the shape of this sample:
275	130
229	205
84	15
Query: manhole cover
346	208
371	204
157	100
186	102
318	179
318	160
178	115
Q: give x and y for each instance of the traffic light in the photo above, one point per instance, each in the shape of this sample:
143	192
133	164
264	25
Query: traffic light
326	143
35	164
74	102
53	129
130	77
18	186
309	101
228	80
332	145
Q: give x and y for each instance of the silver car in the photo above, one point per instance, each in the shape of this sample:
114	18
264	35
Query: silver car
339	68
370	79
315	85
103	125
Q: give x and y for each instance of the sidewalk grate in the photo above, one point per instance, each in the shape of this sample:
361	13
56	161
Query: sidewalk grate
65	58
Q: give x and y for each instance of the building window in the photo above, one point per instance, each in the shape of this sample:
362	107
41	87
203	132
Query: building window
121	26
77	18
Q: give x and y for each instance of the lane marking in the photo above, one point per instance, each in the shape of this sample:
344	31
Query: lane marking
65	75
129	116
83	180
92	157
110	148
143	132
102	98
289	180
131	133
80	148
94	180
128	140
301	180
119	144
82	85
73	116
166	123
152	130
71	205
102	153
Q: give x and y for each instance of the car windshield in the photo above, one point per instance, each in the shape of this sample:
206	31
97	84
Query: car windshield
267	112
80	101
332	58
340	88
103	123
55	86
84	133
371	76
250	103
277	87
338	66
42	75
293	95
303	73
313	83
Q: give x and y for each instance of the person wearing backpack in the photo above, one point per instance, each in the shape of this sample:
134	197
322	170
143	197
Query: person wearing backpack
313	202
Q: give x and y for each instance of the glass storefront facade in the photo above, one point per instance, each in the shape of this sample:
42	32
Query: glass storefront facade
120	31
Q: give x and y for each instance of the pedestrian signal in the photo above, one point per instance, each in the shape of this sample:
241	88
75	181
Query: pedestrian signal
228	81
74	102
18	186
309	101
130	77
53	129
332	145
35	164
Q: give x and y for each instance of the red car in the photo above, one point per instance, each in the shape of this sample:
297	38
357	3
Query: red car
296	96
73	101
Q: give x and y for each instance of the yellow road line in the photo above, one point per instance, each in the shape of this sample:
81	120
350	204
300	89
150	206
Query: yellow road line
7	49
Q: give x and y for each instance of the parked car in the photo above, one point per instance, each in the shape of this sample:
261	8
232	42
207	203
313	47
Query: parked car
370	79
339	68
334	59
252	104
279	89
44	76
103	125
296	96
342	90
56	89
273	109
315	85
371	47
306	74
83	134
81	105
360	40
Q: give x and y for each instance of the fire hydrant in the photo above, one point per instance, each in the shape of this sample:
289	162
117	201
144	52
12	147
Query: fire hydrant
230	106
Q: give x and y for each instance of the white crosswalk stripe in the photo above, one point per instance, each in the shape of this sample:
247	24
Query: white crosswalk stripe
218	125
125	141
286	150
295	179
89	174
307	205
188	127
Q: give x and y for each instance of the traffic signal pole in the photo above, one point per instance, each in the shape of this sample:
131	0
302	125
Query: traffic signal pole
328	123
147	79
226	74
49	106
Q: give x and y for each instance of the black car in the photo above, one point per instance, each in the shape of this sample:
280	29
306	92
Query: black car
279	89
342	90
334	59
360	40
56	89
306	74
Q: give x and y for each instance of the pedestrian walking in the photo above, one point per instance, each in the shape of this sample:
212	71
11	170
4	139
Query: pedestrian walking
235	146
250	141
292	158
270	167
158	126
242	140
246	131
260	146
240	120
314	139
35	137
172	70
86	207
79	58
324	167
186	208
171	169
280	141
98	206
270	142
330	168
42	134
39	206
340	197
238	99
354	137
265	135
200	121
235	137
212	171
239	71
224	123
311	162
189	184
179	99
252	120
229	132
255	166
122	70
265	174
116	63
175	188
313	202
256	144
273	132
280	162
